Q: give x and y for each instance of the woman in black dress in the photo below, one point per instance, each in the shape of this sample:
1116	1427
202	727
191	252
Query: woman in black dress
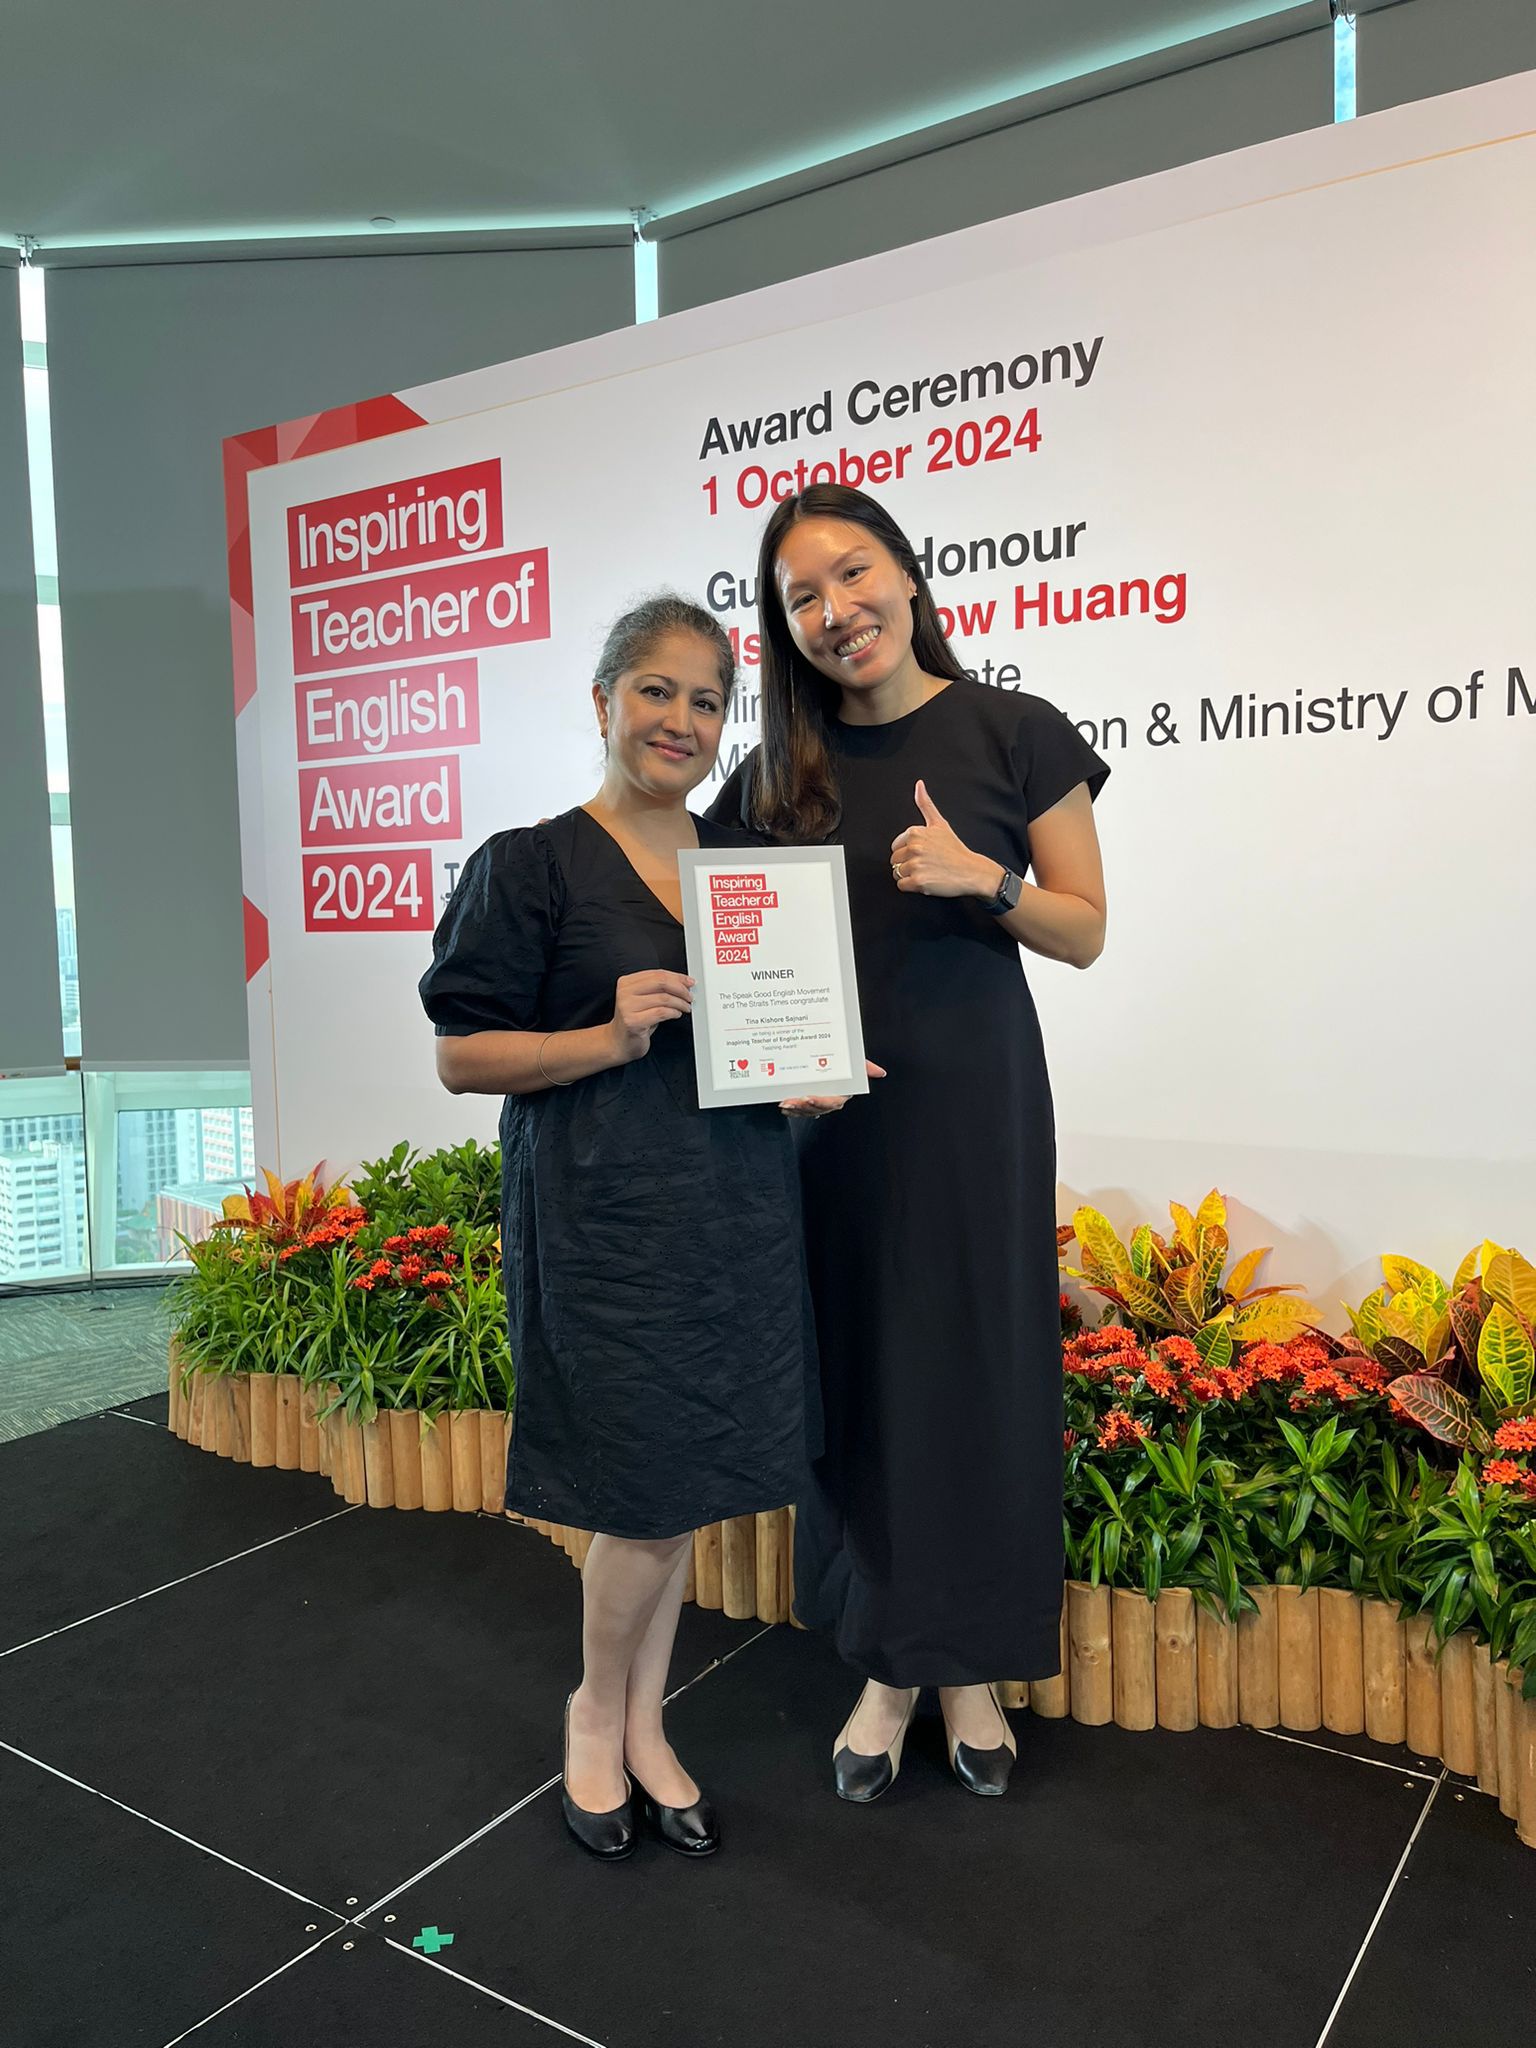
931	1542
652	1252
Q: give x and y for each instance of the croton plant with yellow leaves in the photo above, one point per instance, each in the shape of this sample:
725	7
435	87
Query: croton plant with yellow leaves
1464	1353
287	1210
1179	1286
1218	1436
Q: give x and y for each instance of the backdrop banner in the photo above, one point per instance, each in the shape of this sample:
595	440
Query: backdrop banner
1237	465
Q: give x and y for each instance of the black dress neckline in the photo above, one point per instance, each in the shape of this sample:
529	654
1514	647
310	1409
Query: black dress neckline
635	875
854	738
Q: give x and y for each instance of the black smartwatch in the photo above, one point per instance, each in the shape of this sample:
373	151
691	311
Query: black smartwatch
1007	897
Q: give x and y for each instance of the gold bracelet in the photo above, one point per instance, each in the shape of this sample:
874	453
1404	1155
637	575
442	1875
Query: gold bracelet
549	1077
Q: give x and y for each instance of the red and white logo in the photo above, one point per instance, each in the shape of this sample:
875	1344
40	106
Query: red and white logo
742	1065
767	1066
821	1059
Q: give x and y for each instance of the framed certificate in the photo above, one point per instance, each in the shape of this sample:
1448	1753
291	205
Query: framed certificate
770	949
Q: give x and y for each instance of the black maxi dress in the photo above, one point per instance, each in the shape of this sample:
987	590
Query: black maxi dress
930	1542
661	1337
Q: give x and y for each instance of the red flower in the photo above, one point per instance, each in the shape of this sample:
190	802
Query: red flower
437	1281
364	1281
1365	1372
1308	1353
1503	1472
1091	1342
1118	1429
450	1259
1323	1383
1068	1439
397	1244
284	1256
1518	1434
412	1268
380	1270
1161	1381
1180	1352
1271	1362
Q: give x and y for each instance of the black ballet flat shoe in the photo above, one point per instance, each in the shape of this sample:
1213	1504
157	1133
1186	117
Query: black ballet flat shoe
862	1778
690	1830
608	1836
984	1771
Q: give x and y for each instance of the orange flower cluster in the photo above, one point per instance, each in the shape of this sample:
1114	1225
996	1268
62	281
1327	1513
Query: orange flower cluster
1507	1472
432	1236
421	1259
1517	1434
1172	1370
1118	1430
336	1226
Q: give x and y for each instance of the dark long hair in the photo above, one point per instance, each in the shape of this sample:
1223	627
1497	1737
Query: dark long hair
795	793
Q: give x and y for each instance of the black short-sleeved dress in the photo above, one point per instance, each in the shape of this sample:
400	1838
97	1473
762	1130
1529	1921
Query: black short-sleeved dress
930	1542
652	1251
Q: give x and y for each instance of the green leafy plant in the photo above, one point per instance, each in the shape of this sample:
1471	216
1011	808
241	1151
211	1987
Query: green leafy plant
459	1184
407	1316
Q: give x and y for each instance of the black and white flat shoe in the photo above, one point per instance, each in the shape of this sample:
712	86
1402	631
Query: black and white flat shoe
862	1778
984	1771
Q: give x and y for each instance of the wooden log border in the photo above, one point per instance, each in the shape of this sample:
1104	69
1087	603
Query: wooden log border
1326	1659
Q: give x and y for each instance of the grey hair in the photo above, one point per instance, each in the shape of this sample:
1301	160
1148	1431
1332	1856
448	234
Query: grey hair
632	637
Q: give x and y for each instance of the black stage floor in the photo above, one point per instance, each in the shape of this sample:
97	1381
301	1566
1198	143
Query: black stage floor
253	1744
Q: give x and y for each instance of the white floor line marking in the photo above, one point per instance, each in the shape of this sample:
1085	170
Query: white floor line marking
501	1997
166	1829
720	1662
144	1420
1349	1756
458	1847
239	1995
185	1579
537	1793
1402	1862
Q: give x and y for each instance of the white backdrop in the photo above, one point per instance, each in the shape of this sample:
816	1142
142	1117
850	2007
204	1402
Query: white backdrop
1287	430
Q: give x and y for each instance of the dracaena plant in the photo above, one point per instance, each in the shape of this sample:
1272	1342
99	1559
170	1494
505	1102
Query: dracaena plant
1181	1287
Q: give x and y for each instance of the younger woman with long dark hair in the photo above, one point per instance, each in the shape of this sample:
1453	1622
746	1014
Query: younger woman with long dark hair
931	1541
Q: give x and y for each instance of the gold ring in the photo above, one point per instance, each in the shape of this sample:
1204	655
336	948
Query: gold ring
896	869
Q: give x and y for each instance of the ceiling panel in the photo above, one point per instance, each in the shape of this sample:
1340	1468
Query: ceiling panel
174	118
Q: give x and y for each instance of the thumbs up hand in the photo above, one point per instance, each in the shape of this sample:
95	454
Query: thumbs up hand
930	860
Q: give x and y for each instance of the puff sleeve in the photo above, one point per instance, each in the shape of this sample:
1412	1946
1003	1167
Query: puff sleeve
494	942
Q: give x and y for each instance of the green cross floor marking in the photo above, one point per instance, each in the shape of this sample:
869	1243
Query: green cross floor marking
430	1941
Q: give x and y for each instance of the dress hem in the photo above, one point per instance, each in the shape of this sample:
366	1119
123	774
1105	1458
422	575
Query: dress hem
587	1526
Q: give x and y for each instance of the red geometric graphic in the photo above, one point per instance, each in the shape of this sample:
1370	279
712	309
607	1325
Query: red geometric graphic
257	948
